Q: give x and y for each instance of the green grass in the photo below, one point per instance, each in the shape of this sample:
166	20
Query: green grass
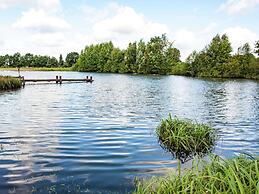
184	138
9	83
238	175
37	69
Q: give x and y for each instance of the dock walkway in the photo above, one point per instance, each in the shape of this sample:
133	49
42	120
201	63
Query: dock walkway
58	80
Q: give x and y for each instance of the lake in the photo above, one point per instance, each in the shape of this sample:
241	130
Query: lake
96	138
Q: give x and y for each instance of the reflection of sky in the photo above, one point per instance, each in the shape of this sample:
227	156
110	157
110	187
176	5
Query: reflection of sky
27	118
96	135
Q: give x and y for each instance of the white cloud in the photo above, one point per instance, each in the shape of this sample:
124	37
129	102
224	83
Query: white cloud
48	39
189	40
122	24
40	20
239	36
237	6
42	29
4	4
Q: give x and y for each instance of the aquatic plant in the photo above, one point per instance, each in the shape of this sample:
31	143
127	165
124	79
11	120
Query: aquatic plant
184	138
9	83
238	175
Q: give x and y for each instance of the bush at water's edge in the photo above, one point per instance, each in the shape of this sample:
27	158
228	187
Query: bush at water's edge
9	83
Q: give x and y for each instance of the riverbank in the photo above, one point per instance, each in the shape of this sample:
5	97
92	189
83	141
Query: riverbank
9	83
36	69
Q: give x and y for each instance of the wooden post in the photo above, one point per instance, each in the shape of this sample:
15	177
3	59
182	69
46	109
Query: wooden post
60	79
23	81
56	79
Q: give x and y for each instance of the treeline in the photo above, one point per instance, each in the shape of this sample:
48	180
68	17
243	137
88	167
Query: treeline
30	60
215	60
157	56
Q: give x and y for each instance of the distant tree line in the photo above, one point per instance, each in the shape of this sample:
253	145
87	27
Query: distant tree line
157	56
215	60
30	60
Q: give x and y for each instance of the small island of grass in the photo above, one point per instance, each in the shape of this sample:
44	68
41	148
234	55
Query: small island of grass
9	83
185	139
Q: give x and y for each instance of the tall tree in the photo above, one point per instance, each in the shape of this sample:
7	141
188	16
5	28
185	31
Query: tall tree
140	58
71	58
130	58
61	61
257	48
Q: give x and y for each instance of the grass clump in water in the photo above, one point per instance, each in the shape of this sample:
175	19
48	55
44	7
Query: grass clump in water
9	83
238	175
184	138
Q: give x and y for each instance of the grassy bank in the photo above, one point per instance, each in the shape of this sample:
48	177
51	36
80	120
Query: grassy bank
37	69
9	83
233	176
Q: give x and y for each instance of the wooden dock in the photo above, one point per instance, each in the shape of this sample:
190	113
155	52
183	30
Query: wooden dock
58	80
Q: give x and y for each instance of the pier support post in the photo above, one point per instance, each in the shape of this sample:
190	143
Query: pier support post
23	81
56	79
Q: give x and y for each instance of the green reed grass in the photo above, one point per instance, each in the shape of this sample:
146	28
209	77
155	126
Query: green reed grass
238	175
184	138
9	83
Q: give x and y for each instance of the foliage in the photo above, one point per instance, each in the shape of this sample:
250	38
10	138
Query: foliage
215	60
184	138
232	176
71	59
30	60
156	57
257	48
27	60
37	68
9	83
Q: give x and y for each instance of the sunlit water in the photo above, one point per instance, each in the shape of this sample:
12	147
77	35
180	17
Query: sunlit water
96	138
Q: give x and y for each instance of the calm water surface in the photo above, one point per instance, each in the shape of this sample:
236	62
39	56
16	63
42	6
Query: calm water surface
95	138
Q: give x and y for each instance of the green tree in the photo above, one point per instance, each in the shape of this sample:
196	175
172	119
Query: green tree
2	61
71	58
16	60
172	57
257	48
104	51
27	60
140	58
115	63
130	58
52	62
61	61
210	61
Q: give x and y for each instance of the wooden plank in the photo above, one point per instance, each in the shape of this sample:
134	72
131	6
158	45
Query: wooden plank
54	80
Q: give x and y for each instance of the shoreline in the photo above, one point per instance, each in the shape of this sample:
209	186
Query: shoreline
71	69
36	69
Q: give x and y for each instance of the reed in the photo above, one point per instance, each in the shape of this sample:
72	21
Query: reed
184	138
9	83
238	175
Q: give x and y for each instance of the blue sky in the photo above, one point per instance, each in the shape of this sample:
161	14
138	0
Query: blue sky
59	26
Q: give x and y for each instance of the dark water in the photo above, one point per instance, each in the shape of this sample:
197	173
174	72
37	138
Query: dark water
95	138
